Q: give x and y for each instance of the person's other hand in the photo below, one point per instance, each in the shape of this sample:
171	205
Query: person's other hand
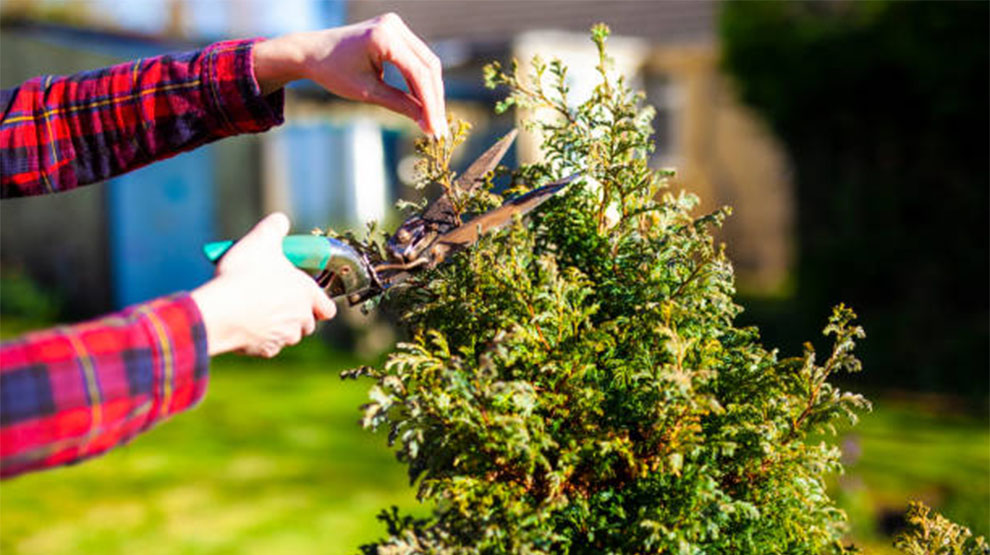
347	61
259	302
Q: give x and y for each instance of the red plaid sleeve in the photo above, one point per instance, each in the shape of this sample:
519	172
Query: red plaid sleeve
76	391
58	133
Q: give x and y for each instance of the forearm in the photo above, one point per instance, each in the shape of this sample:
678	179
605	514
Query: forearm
58	133
73	392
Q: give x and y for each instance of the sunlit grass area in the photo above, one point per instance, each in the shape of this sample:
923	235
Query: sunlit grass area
914	449
273	461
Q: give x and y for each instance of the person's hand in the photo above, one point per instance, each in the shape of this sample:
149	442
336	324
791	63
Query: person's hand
347	61
259	302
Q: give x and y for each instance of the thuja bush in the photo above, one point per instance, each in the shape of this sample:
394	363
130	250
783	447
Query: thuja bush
929	533
576	383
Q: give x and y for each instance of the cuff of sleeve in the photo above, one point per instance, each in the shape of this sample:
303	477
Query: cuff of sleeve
233	91
179	335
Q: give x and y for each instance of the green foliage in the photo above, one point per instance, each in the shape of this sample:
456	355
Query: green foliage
22	297
270	462
575	383
932	534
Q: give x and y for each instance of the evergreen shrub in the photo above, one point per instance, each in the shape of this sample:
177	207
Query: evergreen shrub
929	533
576	383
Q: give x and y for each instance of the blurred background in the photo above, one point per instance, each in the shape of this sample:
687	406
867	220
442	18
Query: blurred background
850	138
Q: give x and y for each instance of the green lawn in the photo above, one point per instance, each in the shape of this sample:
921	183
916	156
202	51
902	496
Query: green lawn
273	461
904	450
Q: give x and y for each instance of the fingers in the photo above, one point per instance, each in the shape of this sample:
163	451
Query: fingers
416	77
398	101
288	336
309	326
259	302
419	66
434	107
323	306
268	349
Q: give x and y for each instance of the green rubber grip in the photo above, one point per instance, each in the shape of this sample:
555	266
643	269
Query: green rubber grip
306	252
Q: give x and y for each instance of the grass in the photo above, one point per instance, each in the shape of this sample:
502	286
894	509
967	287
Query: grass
273	461
914	449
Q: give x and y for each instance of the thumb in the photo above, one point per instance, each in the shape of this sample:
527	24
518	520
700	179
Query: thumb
263	239
273	228
269	232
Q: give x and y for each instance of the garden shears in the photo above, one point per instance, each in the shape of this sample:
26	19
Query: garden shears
422	242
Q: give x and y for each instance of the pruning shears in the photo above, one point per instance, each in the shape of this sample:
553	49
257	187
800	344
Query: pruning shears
422	242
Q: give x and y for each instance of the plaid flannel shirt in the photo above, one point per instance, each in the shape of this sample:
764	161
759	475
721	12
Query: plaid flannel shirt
76	391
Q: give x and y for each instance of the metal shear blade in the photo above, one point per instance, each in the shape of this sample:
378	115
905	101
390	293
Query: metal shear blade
391	273
412	238
469	233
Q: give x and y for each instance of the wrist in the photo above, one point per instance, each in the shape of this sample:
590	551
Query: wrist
222	334
277	62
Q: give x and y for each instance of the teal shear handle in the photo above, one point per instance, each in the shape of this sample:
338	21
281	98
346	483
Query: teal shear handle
334	264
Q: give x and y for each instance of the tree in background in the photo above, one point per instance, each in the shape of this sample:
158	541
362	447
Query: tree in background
883	109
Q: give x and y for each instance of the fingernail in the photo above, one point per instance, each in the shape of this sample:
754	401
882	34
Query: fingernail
422	125
440	130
